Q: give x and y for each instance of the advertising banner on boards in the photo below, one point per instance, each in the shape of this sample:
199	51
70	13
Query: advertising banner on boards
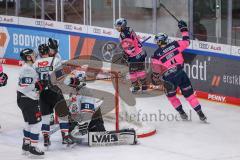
216	76
13	40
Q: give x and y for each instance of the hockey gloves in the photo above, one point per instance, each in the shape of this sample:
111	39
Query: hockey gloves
3	79
156	78
182	26
38	86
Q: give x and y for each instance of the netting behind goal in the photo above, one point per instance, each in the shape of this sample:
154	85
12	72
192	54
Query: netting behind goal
118	109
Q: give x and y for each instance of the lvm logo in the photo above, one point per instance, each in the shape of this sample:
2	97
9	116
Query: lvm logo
104	138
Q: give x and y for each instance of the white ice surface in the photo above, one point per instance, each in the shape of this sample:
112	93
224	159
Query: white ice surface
175	140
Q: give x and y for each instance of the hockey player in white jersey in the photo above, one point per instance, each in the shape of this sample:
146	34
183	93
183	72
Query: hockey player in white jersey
53	52
50	95
27	100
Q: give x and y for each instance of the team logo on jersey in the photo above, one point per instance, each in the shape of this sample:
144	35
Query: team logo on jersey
73	108
43	64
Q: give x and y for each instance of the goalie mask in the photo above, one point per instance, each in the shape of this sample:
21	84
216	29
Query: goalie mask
75	78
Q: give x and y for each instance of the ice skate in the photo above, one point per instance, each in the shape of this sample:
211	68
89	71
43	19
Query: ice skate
202	117
25	148
35	152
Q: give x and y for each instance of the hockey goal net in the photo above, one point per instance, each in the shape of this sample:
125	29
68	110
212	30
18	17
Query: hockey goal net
119	107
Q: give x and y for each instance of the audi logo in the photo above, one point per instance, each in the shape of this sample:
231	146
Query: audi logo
96	30
39	23
203	46
69	27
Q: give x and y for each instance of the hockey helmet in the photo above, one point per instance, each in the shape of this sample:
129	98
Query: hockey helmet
161	38
120	24
53	44
26	52
43	49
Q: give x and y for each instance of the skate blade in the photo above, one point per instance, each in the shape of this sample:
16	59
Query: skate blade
186	120
67	146
32	156
25	153
205	121
46	148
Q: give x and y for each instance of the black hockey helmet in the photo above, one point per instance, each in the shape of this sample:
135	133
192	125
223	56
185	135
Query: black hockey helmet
43	49
120	24
53	44
26	52
161	39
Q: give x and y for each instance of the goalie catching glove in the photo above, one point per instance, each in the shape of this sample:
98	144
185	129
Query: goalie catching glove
76	79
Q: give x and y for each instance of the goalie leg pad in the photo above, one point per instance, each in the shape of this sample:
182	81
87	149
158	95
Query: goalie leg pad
97	123
110	138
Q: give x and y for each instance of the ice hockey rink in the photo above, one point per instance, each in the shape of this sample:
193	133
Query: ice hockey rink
175	140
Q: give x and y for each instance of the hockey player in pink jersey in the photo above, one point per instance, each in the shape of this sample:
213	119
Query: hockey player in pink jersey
167	64
135	54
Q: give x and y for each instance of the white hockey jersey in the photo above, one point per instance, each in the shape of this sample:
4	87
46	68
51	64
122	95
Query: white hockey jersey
45	67
26	82
59	56
80	104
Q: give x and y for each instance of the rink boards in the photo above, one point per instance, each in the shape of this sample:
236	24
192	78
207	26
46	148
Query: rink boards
213	68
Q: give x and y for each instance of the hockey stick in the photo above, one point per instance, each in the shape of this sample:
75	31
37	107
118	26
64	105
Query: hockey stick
99	79
170	13
146	39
